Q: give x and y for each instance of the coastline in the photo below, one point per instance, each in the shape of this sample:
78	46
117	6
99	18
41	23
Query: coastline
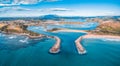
81	49
70	30
100	36
23	34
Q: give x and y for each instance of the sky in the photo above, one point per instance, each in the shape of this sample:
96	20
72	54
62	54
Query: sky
33	8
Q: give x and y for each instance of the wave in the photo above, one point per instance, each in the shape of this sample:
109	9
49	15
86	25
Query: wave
110	39
12	37
106	39
24	41
2	35
36	28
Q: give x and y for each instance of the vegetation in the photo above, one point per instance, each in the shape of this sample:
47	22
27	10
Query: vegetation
17	28
31	33
109	28
54	29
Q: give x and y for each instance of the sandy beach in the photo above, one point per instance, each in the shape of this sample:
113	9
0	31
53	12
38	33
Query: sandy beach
81	49
70	30
101	36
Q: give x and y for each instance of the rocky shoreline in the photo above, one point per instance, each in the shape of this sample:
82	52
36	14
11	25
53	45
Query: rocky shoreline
23	34
80	48
56	47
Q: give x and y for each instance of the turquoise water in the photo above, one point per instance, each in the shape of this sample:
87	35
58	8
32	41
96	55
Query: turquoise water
85	26
75	20
22	51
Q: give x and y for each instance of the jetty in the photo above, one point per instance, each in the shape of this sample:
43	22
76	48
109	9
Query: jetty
56	46
79	46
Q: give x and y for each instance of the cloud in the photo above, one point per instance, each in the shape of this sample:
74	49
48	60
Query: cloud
5	1
20	11
8	4
51	0
12	9
59	9
24	2
18	8
49	10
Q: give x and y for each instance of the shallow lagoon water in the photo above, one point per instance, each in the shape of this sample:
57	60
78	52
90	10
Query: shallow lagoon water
85	26
35	53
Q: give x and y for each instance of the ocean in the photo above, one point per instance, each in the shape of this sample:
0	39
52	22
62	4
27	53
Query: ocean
22	51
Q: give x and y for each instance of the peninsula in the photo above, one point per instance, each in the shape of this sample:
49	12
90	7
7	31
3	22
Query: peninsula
19	29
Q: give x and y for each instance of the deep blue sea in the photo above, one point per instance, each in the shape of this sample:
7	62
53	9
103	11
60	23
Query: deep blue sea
22	51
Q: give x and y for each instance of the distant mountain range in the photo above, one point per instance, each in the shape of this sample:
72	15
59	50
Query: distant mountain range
56	17
52	17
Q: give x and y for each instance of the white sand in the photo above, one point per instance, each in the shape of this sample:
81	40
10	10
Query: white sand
70	30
